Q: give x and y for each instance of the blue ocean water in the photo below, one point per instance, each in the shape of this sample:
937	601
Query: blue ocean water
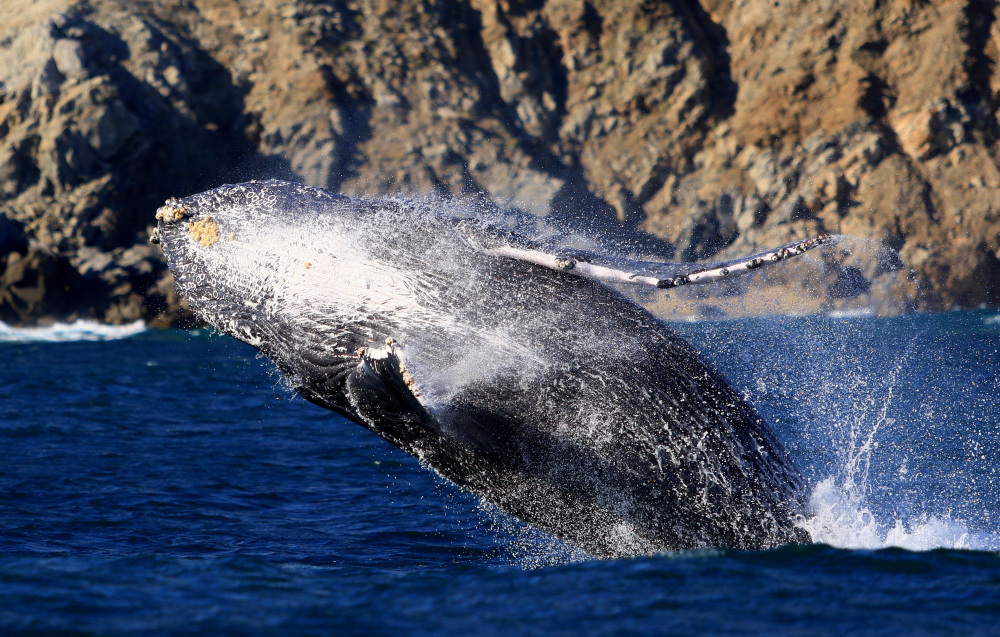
166	482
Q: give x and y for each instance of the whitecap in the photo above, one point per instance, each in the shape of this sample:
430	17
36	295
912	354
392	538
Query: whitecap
80	330
851	313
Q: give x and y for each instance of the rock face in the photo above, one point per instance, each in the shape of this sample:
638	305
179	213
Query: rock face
676	129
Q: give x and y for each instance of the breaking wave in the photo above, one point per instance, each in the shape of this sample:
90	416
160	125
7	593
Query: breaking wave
80	330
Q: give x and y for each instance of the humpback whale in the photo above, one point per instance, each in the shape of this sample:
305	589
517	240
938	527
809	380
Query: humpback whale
504	360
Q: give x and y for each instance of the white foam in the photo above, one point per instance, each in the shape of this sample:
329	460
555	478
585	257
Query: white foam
840	517
851	313
80	330
992	320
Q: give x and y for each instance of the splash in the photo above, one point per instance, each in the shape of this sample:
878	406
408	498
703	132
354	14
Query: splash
841	507
80	330
843	518
524	546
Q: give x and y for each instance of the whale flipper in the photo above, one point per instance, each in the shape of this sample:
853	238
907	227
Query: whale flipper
380	394
383	396
600	267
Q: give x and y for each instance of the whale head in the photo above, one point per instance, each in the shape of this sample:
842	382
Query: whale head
231	249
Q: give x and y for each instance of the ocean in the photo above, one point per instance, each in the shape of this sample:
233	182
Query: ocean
161	482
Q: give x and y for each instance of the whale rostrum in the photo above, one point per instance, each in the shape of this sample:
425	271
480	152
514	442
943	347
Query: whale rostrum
499	355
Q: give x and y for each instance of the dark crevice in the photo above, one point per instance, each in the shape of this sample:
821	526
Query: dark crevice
592	22
876	100
721	84
548	42
980	16
538	60
876	97
876	47
575	205
475	61
655	183
353	104
721	88
478	65
355	111
574	202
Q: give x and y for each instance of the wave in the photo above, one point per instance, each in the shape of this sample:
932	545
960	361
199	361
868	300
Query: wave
859	505
80	330
852	313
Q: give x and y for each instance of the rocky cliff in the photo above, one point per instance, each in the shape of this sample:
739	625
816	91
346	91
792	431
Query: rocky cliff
681	129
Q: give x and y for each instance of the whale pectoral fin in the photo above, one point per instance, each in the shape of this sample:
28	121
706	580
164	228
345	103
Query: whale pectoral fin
381	392
661	275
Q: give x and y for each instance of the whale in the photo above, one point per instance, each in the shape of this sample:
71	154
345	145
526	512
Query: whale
505	356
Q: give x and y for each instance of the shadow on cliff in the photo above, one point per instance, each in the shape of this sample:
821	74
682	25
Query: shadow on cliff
575	206
129	123
193	133
981	17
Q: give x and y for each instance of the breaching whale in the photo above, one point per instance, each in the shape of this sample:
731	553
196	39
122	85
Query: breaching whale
503	361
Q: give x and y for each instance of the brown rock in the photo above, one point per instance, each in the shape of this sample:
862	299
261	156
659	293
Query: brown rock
40	285
720	127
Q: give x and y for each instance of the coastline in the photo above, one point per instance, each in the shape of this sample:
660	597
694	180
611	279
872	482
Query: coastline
688	133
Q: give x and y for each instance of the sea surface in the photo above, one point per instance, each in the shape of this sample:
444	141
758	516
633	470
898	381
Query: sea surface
167	482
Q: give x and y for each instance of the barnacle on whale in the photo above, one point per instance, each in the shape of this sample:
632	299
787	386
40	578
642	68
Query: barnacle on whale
172	210
204	231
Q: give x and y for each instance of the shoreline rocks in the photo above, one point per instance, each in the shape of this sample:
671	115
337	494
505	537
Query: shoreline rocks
706	130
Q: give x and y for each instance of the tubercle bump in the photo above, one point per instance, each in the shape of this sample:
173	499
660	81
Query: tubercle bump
171	210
